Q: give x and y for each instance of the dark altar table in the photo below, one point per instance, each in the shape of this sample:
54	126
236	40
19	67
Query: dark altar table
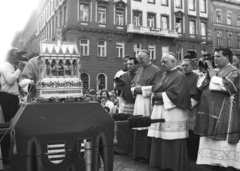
50	136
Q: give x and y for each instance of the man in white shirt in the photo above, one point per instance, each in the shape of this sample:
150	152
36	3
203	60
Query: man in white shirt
9	93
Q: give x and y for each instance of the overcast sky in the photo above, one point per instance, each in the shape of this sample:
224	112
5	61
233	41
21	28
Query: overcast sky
14	14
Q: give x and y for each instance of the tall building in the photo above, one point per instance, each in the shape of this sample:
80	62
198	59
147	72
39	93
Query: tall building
226	24
105	30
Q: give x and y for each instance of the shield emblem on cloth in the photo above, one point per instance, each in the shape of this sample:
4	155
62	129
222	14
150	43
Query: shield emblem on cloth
80	147
56	152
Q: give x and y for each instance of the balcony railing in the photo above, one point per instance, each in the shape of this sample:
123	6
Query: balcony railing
152	31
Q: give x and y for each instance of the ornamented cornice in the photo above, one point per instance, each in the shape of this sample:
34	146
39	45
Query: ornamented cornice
179	13
85	0
226	3
103	2
120	4
226	26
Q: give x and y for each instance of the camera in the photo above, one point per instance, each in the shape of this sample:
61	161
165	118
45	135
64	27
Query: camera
20	56
191	54
205	61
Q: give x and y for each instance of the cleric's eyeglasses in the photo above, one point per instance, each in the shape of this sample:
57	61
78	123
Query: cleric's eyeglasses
184	65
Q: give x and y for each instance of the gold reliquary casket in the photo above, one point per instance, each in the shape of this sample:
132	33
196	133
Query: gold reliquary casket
59	72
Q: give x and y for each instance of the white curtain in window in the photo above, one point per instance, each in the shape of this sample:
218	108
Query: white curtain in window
164	22
179	25
191	27
102	15
191	4
137	19
164	2
178	3
165	49
120	49
203	29
229	18
84	12
203	5
219	16
151	1
136	49
152	49
151	19
119	18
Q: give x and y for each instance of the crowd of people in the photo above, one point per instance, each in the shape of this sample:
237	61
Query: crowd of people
202	104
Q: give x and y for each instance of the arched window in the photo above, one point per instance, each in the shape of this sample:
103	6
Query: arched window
101	82
86	80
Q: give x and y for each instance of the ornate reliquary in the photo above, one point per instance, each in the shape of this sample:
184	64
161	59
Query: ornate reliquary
59	71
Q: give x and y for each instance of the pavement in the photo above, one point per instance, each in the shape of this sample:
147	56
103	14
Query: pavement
126	163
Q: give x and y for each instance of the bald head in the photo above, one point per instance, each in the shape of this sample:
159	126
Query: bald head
170	55
143	58
168	61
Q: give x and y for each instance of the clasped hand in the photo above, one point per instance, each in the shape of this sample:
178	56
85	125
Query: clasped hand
157	96
138	90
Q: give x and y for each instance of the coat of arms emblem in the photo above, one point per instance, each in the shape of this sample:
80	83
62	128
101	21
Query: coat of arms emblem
56	152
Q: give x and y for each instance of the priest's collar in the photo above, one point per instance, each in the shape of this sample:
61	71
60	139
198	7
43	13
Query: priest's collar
220	69
147	65
172	69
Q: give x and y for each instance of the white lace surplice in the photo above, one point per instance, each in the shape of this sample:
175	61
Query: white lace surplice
216	152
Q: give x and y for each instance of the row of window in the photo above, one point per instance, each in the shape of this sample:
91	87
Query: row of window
120	15
101	81
179	4
230	40
120	49
61	16
85	16
229	17
151	18
60	19
138	19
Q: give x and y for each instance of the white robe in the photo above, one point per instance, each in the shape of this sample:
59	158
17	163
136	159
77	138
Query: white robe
218	153
175	125
142	104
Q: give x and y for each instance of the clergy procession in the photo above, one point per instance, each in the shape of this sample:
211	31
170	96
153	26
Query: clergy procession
198	104
200	107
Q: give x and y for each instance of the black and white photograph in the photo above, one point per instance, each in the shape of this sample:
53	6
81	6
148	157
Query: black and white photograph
120	85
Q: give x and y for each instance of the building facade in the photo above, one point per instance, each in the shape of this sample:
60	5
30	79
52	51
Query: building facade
106	30
226	24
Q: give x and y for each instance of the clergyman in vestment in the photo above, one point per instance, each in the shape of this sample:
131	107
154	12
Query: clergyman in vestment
142	83
171	100
218	117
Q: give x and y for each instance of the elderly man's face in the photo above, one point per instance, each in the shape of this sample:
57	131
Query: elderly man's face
167	63
186	67
143	59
